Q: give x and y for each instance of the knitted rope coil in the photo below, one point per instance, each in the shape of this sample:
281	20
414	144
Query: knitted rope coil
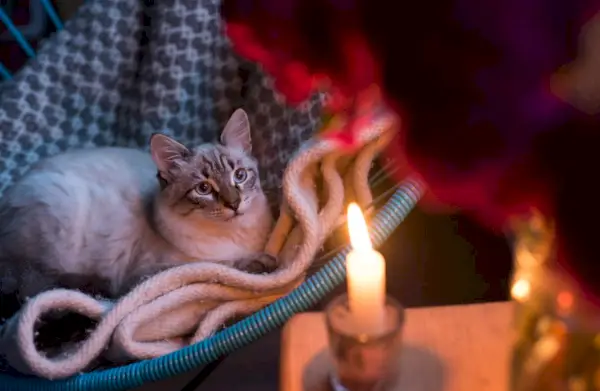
159	315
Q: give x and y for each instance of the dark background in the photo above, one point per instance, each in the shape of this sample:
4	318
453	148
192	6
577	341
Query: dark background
431	260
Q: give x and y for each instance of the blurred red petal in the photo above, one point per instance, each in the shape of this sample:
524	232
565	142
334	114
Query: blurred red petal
295	82
246	45
402	170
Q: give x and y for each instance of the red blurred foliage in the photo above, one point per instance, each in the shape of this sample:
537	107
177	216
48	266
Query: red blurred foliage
471	82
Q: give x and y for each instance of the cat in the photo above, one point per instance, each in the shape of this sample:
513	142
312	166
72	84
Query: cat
100	220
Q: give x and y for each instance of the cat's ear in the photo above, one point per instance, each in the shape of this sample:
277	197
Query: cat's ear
166	152
236	133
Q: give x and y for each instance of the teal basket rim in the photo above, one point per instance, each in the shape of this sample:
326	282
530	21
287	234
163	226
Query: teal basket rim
234	337
238	335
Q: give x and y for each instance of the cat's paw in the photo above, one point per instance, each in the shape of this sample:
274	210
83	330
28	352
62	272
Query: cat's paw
260	264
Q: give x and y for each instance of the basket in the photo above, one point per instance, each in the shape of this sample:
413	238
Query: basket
120	70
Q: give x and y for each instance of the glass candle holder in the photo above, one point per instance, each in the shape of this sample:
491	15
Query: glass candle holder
557	328
363	361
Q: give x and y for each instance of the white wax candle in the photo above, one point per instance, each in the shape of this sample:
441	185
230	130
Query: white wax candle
365	270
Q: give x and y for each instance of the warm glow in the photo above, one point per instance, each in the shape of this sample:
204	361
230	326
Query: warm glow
365	272
565	300
526	259
357	228
520	289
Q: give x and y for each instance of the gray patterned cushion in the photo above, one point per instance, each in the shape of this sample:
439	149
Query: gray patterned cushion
124	69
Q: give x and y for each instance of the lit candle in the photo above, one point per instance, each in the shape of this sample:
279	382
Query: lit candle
365	269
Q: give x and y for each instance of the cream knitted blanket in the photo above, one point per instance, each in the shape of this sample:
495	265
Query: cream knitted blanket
186	304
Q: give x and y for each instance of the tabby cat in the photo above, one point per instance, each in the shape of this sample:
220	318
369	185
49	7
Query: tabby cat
101	219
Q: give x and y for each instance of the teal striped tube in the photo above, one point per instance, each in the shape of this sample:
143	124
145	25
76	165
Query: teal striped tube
21	40
240	334
47	4
4	72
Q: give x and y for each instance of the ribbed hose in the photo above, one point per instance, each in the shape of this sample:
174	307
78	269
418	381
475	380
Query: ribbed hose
242	333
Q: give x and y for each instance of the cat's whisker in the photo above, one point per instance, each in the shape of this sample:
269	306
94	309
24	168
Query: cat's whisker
378	201
383	171
382	175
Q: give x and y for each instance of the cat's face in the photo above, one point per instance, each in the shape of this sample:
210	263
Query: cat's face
217	182
213	181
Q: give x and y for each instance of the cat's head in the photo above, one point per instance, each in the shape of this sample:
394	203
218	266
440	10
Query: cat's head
214	181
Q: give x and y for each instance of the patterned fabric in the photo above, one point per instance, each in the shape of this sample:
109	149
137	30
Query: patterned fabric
124	69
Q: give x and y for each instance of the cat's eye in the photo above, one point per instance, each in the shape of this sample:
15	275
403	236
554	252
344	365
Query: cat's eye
204	188
240	175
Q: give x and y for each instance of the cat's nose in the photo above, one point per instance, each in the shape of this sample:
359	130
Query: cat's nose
233	205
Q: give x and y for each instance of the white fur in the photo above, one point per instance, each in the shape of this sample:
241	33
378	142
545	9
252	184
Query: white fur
87	212
220	243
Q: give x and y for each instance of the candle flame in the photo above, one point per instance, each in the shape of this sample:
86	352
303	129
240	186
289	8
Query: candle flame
357	228
520	289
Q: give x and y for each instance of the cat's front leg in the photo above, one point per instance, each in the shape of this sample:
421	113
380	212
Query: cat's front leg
262	263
